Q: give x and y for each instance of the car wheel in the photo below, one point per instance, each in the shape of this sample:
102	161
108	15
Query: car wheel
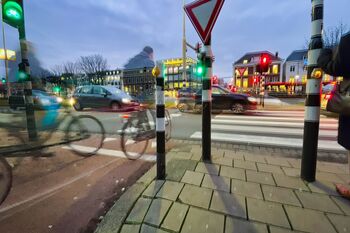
182	107
115	106
77	106
237	108
197	109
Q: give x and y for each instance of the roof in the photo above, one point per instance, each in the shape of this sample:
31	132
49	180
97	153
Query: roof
297	55
250	55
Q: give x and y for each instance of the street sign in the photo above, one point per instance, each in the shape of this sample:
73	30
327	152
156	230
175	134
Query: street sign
242	70
11	55
203	15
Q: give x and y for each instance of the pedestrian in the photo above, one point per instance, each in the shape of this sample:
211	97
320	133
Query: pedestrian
338	64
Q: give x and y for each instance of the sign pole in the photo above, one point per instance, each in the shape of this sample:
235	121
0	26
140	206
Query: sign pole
206	103
312	103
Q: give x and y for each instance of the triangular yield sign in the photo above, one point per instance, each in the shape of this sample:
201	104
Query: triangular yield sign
242	70
203	15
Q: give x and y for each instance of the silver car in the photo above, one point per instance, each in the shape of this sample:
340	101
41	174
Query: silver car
94	96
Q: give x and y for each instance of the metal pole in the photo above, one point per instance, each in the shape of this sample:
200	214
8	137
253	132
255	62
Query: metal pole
6	59
206	103
312	103
160	127
31	125
184	70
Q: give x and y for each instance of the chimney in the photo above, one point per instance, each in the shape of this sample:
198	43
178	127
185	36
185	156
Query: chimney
276	54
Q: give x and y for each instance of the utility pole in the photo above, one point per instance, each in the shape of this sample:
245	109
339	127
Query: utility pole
6	59
313	100
184	48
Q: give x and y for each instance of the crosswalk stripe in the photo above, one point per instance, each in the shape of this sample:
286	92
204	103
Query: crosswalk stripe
271	118
270	141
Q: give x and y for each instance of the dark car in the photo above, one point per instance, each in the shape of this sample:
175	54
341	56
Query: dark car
41	100
223	99
95	96
185	99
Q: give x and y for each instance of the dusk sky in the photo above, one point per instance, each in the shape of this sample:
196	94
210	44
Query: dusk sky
64	30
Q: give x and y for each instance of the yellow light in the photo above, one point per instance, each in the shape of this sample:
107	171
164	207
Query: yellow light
317	73
71	101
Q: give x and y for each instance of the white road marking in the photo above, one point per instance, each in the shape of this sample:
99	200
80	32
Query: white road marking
109	139
154	144
175	115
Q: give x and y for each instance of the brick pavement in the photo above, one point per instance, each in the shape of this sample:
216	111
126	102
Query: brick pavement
237	192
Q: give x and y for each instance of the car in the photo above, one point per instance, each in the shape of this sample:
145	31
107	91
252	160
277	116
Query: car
96	96
41	100
223	99
327	94
185	99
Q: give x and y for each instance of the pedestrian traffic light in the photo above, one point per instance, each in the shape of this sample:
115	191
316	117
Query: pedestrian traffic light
264	63
12	12
3	80
22	75
199	69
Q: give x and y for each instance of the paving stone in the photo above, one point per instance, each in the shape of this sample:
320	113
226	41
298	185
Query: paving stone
230	204
157	211
208	168
318	202
260	177
196	196
176	168
254	158
289	171
233	155
281	195
343	204
245	164
241	226
216	182
173	221
324	187
153	188
269	168
290	182
236	173
247	189
341	223
345	178
139	211
202	221
331	167
267	212
281	230
191	177
217	153
326	176
170	190
278	161
308	220
149	229
296	163
223	161
196	156
127	228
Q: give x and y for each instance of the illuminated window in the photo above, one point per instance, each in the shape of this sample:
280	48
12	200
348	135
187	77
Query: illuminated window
245	72
176	70
275	69
238	83
245	83
245	61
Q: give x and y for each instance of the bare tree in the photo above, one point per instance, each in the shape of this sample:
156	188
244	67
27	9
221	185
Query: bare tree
70	68
92	64
333	35
57	70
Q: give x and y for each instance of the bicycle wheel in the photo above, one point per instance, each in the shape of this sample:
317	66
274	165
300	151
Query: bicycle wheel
168	125
86	135
132	146
5	179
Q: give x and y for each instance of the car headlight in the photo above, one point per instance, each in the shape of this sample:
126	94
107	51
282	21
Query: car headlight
252	99
126	101
59	99
72	101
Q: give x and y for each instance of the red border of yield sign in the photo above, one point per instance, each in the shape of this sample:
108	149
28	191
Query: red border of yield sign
205	33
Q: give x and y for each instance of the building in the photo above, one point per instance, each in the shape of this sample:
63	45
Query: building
113	78
245	76
173	71
138	81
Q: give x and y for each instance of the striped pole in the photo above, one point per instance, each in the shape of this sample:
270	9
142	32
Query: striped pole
206	103
262	90
160	125
313	99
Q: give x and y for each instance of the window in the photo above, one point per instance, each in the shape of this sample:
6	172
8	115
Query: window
292	68
86	90
99	91
275	69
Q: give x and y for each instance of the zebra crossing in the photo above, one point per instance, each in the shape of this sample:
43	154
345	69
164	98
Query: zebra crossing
283	129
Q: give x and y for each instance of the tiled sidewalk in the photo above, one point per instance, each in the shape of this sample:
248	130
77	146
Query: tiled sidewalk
238	192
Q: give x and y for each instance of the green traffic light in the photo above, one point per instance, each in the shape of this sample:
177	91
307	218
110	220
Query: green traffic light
56	89
200	70
21	76
13	11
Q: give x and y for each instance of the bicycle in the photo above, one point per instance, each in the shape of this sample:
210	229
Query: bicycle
138	131
79	131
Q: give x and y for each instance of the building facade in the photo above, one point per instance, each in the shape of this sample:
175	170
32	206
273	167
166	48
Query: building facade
245	75
138	81
114	78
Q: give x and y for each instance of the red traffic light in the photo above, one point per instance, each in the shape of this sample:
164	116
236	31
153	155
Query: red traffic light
264	59
264	63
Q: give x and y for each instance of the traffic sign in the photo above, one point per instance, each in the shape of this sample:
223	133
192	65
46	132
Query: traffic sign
242	70
203	15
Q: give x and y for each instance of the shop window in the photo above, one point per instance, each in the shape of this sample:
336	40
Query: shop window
238	83
245	83
275	69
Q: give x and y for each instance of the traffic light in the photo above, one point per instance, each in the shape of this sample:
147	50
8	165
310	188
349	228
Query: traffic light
3	80
200	69
56	89
22	75
12	12
264	63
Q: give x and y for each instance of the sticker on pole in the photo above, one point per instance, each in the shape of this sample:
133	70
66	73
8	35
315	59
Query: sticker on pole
203	15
